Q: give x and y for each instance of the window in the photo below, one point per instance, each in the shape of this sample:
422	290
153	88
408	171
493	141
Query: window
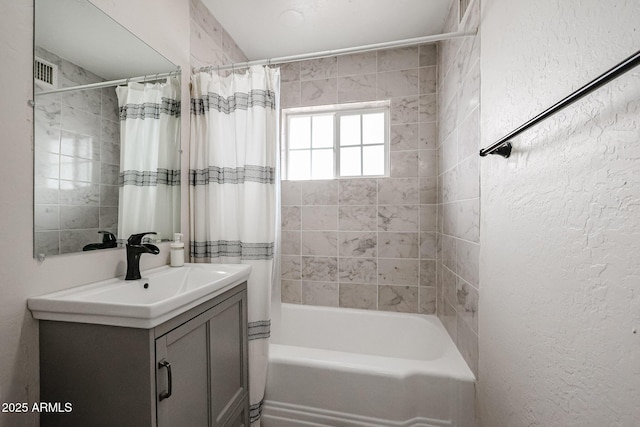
337	141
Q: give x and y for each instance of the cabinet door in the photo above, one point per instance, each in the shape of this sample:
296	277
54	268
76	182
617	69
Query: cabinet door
182	386
229	381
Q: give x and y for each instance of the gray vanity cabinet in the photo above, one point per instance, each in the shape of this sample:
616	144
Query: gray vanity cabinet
207	357
189	371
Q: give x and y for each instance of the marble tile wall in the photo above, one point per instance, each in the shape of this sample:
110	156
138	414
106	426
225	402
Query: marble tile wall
459	183
367	243
77	153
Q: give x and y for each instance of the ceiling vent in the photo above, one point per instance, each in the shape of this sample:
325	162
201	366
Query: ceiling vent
45	74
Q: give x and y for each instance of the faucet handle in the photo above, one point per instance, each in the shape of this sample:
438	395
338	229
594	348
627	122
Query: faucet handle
107	236
136	239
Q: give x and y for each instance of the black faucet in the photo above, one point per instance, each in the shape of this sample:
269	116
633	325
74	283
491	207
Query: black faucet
135	248
108	241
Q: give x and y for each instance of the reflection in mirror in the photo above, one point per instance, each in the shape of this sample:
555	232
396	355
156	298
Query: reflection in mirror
106	160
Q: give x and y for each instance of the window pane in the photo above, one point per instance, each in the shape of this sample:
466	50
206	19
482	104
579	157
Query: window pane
322	164
350	130
300	132
373	128
300	164
350	161
322	132
373	160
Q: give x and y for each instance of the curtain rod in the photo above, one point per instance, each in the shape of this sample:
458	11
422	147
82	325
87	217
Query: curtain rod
146	77
344	51
503	146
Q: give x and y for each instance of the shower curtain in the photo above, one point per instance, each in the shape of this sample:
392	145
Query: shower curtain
149	158
233	177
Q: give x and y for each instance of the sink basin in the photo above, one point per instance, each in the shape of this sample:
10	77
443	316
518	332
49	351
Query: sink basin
160	295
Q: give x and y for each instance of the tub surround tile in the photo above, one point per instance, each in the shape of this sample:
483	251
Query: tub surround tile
468	217
357	191
398	58
428	132
398	83
428	190
404	109
466	303
290	94
290	71
319	192
398	298
321	68
291	193
320	268
110	153
320	243
357	88
449	319
428	107
428	79
319	217
393	218
110	133
468	187
469	135
448	251
427	300
404	137
46	190
292	291
358	218
319	92
291	217
467	342
357	63
89	101
358	244
74	168
468	261
397	245
398	218
79	193
398	272
356	295
428	272
404	164
428	245
398	191
358	270
291	243
428	216
320	293
428	54
291	267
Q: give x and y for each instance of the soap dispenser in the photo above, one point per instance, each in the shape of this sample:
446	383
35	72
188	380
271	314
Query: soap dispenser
177	251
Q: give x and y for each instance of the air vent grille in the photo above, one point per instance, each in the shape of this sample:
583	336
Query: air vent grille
45	74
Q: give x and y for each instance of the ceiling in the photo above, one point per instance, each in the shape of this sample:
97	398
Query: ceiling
274	28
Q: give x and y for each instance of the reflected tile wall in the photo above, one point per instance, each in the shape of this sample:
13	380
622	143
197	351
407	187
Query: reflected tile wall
367	243
458	229
77	153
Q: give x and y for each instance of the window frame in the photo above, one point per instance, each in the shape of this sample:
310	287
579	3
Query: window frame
337	111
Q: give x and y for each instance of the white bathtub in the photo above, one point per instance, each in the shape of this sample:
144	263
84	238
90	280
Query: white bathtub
347	367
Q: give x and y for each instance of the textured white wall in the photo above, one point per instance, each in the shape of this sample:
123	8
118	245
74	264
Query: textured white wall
164	25
560	220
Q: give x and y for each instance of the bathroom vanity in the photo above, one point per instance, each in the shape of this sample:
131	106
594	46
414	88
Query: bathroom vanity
188	370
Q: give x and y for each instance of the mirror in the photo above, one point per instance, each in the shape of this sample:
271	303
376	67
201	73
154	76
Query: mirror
106	156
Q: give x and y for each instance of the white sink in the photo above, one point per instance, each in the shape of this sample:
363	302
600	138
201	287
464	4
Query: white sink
161	294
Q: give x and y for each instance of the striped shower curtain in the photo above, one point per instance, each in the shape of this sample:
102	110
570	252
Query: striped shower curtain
233	178
149	178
